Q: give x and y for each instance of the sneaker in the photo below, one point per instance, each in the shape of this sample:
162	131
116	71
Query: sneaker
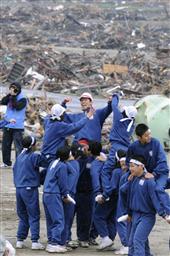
123	218
123	251
93	242
105	243
19	245
84	244
37	246
5	166
73	244
56	248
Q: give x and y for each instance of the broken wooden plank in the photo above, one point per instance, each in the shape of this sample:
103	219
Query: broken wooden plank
111	68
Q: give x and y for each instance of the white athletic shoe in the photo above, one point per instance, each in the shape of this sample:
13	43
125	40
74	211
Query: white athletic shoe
37	246
56	248
105	243
19	245
123	251
123	218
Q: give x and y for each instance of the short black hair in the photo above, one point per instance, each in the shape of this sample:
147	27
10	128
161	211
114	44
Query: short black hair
141	129
17	85
95	148
28	141
63	153
121	153
77	150
139	158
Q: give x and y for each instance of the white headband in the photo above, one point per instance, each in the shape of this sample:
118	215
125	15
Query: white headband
134	161
122	159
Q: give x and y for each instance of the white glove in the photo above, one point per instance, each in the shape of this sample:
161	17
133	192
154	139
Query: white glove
98	198
122	218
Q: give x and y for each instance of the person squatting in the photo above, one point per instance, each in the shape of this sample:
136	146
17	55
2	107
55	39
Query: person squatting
116	194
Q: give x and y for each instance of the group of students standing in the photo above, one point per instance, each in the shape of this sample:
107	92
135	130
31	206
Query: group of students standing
119	193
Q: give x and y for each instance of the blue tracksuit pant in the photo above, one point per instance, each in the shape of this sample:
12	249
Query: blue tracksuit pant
122	232
122	227
142	225
69	211
28	211
54	213
105	218
164	198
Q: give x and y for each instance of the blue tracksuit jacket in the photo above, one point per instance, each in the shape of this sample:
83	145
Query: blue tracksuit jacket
153	154
119	134
73	168
95	172
93	127
56	132
26	169
56	180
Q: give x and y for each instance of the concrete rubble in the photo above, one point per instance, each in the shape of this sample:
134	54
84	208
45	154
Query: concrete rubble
99	46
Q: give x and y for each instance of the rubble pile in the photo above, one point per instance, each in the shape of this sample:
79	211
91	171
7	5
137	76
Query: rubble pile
131	36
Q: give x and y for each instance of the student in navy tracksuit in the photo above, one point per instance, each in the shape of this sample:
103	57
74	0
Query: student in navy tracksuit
27	180
56	130
73	170
103	216
54	193
118	178
156	162
92	129
143	204
120	134
105	212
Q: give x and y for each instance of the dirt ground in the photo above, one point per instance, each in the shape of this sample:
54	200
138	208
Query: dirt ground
159	238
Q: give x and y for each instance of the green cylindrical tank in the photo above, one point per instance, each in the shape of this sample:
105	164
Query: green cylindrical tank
154	110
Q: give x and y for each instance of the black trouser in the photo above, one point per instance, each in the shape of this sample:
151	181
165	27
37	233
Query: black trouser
9	136
84	206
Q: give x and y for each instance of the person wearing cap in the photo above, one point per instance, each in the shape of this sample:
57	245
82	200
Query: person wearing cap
143	204
27	180
156	162
12	132
92	129
120	135
56	130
